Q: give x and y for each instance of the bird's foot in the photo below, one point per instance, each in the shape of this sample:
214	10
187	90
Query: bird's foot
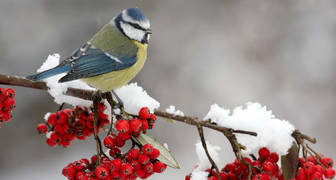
119	105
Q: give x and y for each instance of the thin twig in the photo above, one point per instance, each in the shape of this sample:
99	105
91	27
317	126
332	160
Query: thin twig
61	106
110	100
95	121
201	134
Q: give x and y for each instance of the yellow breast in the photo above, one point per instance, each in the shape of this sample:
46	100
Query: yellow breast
113	80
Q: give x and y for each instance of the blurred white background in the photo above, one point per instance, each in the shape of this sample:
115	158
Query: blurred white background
279	53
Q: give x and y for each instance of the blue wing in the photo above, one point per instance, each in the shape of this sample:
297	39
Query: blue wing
95	62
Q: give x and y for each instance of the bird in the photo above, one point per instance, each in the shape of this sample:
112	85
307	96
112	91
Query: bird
111	58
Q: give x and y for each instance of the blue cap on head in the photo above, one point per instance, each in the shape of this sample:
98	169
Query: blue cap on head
136	14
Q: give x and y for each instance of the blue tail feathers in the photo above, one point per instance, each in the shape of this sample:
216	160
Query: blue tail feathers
50	72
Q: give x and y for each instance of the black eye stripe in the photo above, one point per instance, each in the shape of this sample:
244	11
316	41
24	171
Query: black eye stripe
136	26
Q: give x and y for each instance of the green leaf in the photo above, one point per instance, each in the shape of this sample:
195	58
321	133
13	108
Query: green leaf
165	156
289	162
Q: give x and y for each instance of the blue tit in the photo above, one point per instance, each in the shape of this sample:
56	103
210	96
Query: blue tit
112	57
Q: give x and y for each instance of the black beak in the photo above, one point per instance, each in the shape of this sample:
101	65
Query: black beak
148	31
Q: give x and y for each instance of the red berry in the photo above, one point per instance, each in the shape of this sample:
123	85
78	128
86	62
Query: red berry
327	162
268	167
85	161
78	165
135	125
149	167
318	168
308	167
133	153
52	119
120	142
101	172
42	128
69	172
144	125
114	151
59	129
80	175
8	104
264	153
135	164
155	154
51	142
147	149
5	116
153	117
229	167
109	141
94	159
126	169
300	175
124	136
329	173
10	93
188	177
159	167
143	159
116	164
122	126
212	178
262	176
274	156
144	113
311	159
140	172
316	176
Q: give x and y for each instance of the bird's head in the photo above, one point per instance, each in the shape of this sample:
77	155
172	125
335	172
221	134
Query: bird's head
134	24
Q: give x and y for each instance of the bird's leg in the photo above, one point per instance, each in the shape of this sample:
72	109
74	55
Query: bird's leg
96	99
120	104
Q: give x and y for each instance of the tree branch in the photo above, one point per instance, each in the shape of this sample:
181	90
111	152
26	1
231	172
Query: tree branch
89	95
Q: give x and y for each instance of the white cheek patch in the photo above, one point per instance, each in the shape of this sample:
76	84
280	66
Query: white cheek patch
132	32
144	24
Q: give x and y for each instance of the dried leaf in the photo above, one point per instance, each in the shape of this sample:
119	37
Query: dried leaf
165	156
289	162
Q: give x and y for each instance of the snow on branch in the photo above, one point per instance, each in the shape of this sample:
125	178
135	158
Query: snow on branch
273	133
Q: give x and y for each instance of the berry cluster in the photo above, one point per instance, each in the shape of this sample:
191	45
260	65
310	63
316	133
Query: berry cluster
263	168
7	104
111	169
139	161
65	125
266	168
315	168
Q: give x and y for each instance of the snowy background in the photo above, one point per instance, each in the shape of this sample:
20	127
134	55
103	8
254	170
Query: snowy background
279	53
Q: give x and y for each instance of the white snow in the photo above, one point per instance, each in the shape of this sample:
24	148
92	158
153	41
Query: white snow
199	175
204	162
199	172
46	116
133	96
171	109
273	133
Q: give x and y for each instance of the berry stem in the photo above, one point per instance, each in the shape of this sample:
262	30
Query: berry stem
201	134
61	107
